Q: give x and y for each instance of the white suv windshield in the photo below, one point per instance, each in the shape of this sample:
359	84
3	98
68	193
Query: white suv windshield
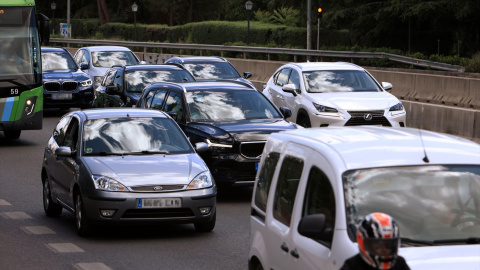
109	59
434	204
324	81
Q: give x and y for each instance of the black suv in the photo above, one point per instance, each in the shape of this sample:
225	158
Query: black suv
234	119
211	67
123	85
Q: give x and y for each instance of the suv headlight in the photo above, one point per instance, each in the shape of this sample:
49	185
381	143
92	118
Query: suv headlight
217	144
108	184
86	83
322	108
203	180
397	107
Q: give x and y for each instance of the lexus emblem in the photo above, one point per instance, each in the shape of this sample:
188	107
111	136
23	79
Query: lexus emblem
367	116
158	188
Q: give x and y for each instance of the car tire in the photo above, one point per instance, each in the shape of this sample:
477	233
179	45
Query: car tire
206	226
84	226
12	134
51	208
304	121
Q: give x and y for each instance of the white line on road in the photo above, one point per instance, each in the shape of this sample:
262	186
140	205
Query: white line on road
64	248
91	266
3	202
37	230
15	215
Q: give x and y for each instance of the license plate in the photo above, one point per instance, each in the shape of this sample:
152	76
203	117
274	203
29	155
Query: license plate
159	203
61	96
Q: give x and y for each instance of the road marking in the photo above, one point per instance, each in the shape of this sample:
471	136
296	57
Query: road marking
91	266
15	215
64	248
3	202
37	230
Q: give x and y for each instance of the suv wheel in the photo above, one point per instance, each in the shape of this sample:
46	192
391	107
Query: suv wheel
304	121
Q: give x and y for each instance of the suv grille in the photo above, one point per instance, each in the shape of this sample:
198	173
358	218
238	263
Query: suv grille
367	118
252	149
57	86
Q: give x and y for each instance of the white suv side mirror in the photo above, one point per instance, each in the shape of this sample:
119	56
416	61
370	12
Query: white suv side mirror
387	86
290	88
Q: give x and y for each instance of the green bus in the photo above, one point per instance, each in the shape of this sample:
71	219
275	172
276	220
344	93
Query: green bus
21	89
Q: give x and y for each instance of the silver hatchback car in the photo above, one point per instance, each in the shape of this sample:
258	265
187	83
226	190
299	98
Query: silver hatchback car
126	165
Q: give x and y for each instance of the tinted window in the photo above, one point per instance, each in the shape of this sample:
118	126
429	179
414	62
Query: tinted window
109	59
286	190
320	199
58	62
265	179
71	136
339	81
174	104
295	79
59	131
158	99
282	77
229	105
137	80
220	70
109	77
133	136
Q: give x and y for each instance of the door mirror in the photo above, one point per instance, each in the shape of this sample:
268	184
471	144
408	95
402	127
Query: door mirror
201	147
112	90
173	115
84	66
312	226
247	75
64	151
290	88
387	86
286	112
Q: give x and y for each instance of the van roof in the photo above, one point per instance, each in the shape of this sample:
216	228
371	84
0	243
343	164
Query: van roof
372	146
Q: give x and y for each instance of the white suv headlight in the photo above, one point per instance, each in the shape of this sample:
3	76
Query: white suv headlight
108	184
203	180
397	107
322	108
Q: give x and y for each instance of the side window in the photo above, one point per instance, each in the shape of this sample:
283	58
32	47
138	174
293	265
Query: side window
157	100
78	56
59	131
320	199
286	190
282	78
71	135
295	79
118	80
174	104
109	78
265	179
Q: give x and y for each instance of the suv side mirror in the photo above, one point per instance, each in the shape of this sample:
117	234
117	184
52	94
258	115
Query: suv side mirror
387	86
201	147
290	88
247	75
112	90
286	112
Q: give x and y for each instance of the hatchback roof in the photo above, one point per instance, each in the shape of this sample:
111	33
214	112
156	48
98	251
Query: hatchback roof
370	146
199	59
153	67
105	48
121	112
206	85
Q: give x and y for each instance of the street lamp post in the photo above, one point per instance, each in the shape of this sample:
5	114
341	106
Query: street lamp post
248	7
134	10
53	6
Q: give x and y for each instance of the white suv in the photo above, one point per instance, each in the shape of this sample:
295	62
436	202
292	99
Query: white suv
315	185
322	94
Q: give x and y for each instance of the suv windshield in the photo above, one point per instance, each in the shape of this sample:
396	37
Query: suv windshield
58	62
429	203
137	80
134	136
229	105
323	81
109	59
216	70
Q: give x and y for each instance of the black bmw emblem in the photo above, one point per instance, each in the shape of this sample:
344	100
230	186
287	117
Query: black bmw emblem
367	116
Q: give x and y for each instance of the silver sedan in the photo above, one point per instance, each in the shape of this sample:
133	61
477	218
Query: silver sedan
126	166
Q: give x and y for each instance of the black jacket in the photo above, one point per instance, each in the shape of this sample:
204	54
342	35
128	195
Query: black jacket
357	263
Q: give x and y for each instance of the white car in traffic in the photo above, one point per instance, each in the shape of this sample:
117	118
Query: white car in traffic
322	94
315	185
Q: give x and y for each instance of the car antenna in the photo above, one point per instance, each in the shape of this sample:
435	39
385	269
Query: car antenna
425	159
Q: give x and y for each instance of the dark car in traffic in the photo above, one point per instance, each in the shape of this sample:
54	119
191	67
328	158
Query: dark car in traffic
65	85
211	68
126	166
234	119
123	85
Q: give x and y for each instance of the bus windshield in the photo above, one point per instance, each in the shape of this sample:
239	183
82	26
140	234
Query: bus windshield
19	49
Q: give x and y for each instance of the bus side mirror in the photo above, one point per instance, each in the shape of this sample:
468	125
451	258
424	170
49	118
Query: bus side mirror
44	28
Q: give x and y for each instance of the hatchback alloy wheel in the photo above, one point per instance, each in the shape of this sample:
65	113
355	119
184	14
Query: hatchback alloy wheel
84	227
51	209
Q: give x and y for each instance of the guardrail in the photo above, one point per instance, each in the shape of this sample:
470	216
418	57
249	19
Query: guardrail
268	51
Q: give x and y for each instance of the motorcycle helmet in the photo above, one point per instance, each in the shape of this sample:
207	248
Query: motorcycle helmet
378	240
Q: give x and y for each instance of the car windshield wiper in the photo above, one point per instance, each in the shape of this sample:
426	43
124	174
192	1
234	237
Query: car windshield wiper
470	240
13	82
146	152
415	242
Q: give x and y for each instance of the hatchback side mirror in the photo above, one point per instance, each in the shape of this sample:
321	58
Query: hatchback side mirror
64	151
290	88
247	75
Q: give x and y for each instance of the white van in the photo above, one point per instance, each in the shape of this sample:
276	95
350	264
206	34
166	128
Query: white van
315	185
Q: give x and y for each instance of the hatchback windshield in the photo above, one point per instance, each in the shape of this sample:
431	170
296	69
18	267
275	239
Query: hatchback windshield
109	59
134	136
217	70
229	105
323	81
139	79
58	62
433	204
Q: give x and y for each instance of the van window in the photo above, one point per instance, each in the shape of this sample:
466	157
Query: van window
320	199
286	190
265	179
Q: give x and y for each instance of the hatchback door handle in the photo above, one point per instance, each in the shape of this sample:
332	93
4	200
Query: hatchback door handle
294	253
284	247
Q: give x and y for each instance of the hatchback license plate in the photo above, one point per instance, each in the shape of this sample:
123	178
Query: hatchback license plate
61	96
159	203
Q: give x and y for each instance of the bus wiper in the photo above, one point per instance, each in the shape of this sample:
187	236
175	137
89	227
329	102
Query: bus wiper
13	82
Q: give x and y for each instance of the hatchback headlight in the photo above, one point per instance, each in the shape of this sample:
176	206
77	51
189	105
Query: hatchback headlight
397	107
108	184
86	83
203	180
322	108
